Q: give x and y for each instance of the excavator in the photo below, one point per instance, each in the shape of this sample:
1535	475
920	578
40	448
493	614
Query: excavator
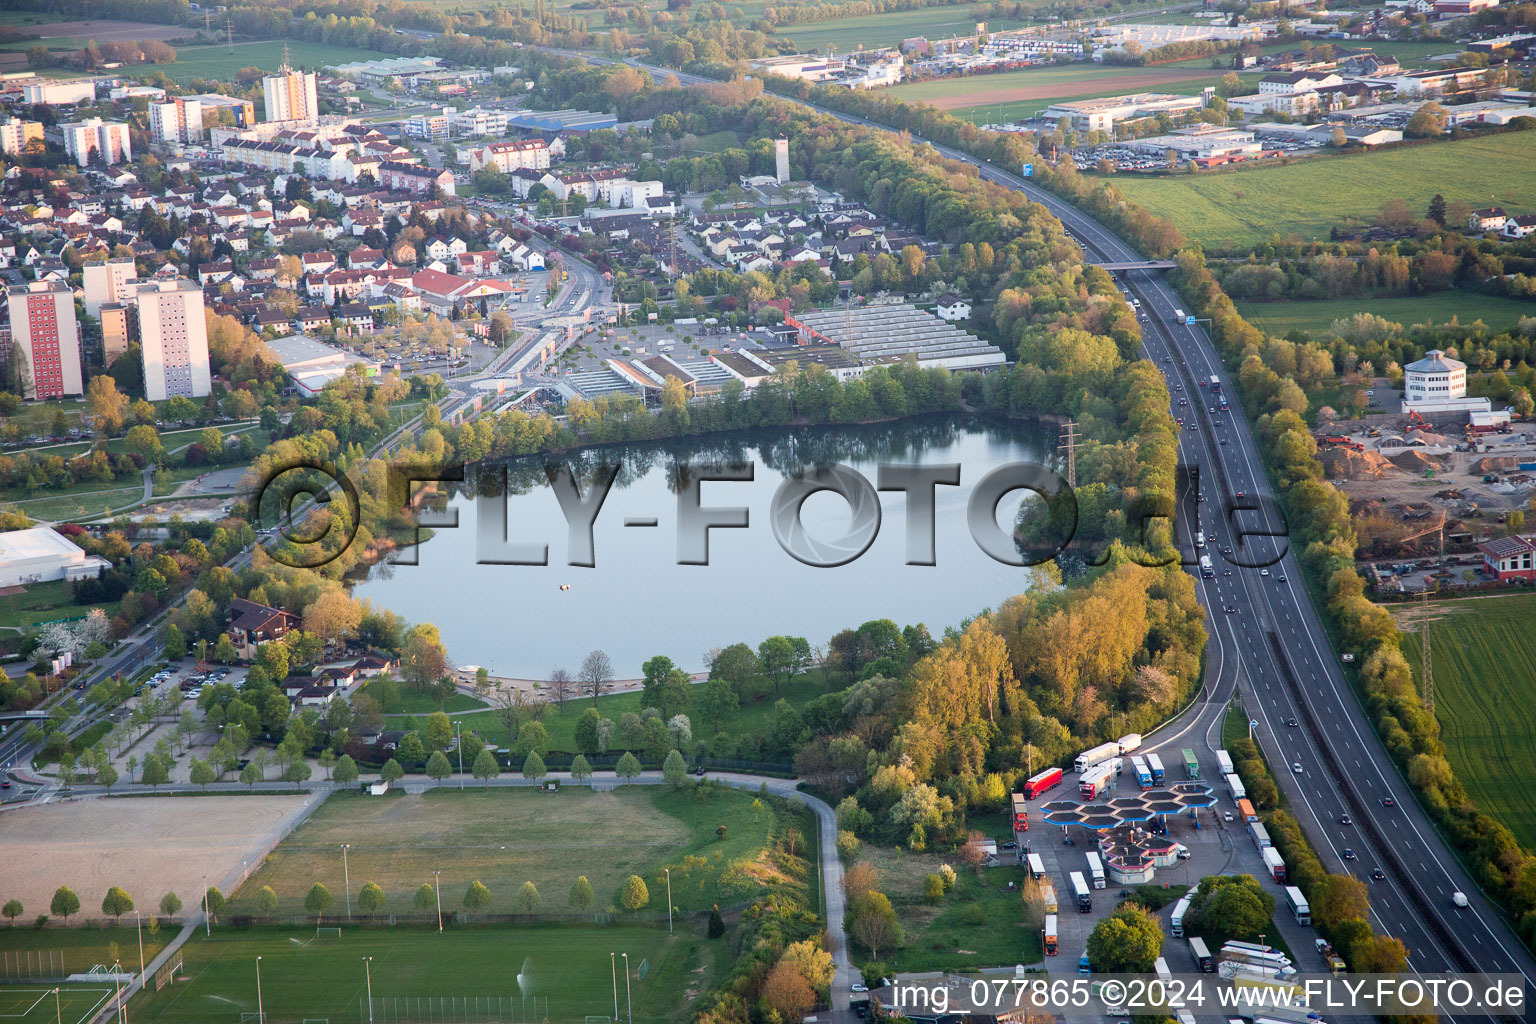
1415	422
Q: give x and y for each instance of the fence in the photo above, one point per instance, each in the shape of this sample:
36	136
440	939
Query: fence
454	1010
32	964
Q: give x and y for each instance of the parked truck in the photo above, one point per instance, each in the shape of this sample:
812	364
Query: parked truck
1131	741
1092	756
1095	780
1191	764
1051	935
1273	863
1260	835
1155	765
1020	814
1224	762
1235	786
1048	897
1042	781
1143	773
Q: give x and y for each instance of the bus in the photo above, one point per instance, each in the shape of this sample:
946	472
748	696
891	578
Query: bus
1300	909
1202	955
1095	869
1224	762
1176	922
1080	889
1206	569
1191	764
1036	866
1155	764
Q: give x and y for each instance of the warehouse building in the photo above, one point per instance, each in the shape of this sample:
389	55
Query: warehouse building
40	555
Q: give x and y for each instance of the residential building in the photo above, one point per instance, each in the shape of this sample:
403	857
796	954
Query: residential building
105	142
242	111
107	281
173	335
1489	219
16	133
117	321
530	154
1522	226
952	307
252	624
1509	558
290	95
47	336
177	121
428	126
414	178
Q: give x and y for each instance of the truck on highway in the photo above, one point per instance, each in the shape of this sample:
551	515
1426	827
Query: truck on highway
1224	762
1202	955
1129	742
1020	814
1215	384
1191	764
1143	773
1155	765
1207	570
1093	755
1095	869
1260	835
1273	863
1051	935
1176	921
1080	890
1095	780
1041	781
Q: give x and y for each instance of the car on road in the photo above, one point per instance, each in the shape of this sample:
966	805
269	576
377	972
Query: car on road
1242	494
1345	819
1291	722
858	987
1263	572
1009	845
1227	816
1349	854
1458	898
1378	875
5	783
1281	577
1387	801
700	770
1296	767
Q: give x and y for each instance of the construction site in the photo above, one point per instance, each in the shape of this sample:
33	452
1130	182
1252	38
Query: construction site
1423	498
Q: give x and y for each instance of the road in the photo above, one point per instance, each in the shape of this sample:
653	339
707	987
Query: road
1273	649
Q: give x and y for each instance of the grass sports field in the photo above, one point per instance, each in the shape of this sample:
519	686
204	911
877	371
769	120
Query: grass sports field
217	63
1495	311
1239	209
464	974
77	950
1049	83
1484	649
37	1004
504	837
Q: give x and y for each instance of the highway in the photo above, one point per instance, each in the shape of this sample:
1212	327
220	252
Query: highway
1272	647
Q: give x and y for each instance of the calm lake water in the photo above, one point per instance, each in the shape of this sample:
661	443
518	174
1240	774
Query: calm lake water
636	601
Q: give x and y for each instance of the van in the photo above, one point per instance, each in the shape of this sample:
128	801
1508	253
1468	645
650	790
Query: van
1200	539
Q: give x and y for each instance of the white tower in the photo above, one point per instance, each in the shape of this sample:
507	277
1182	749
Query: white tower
781	159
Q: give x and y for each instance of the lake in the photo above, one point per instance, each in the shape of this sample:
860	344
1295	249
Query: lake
636	601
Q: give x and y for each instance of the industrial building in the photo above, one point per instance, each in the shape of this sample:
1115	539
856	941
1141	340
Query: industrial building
891	333
312	365
564	120
1104	113
41	555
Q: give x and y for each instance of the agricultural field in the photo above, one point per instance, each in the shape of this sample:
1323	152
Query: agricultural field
504	973
889	29
1236	210
979	922
1483	650
504	836
217	63
751	718
1280	318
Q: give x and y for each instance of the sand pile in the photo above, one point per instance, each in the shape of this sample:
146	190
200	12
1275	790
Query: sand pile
1343	464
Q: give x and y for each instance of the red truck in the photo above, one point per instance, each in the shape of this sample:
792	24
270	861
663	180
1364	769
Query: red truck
1042	781
1020	814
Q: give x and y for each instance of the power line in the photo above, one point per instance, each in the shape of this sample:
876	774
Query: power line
1069	439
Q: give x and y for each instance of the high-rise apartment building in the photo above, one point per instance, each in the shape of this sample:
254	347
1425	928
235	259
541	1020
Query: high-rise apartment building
108	140
290	95
117	329
173	335
16	133
177	121
107	282
46	338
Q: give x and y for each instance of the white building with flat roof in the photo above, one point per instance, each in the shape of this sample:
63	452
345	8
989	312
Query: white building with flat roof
1104	113
41	555
311	364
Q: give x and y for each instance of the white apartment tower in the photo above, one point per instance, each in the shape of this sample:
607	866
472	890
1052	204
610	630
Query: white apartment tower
107	282
290	95
177	121
781	159
108	140
46	338
173	334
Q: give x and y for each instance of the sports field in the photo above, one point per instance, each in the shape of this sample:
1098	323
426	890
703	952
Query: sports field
506	974
503	837
1048	83
57	952
38	1004
217	63
1485	698
1437	307
1239	209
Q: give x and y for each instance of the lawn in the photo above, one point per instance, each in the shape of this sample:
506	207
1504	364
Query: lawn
1239	209
1484	649
44	602
217	63
505	973
981	921
1282	317
76	950
69	1004
752	717
78	503
412	703
504	837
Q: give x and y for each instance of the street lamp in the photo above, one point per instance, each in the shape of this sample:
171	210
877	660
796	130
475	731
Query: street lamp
140	920
117	986
346	876
459	742
261	1015
613	968
206	931
438	889
368	974
58	1009
669	900
628	1001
